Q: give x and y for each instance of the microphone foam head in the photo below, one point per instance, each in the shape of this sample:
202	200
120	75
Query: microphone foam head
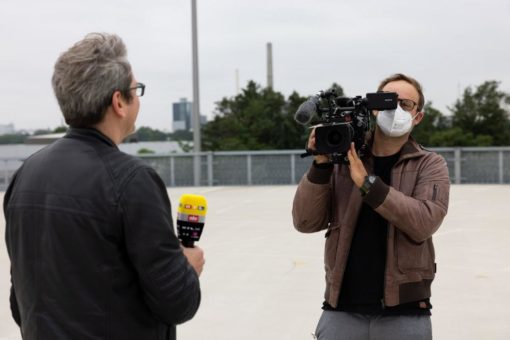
306	111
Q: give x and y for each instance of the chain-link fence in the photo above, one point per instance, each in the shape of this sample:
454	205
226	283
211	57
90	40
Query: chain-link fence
480	165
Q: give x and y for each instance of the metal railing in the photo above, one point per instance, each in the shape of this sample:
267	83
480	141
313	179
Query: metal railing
480	165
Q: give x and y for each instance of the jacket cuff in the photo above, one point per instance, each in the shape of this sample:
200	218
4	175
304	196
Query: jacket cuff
320	173
377	194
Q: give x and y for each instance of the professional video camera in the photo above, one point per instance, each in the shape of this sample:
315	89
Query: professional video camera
341	120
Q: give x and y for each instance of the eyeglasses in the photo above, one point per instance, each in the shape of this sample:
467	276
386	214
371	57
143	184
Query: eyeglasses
407	104
140	89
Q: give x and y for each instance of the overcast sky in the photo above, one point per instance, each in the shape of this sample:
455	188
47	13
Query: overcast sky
446	44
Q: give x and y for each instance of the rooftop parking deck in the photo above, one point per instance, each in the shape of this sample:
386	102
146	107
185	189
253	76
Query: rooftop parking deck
265	280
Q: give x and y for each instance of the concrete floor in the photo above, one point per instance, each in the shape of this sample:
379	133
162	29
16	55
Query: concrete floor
264	280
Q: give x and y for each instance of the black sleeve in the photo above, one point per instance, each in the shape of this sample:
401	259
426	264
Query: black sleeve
12	297
14	307
170	285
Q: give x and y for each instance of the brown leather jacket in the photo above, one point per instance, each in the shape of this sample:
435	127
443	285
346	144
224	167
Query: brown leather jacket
414	205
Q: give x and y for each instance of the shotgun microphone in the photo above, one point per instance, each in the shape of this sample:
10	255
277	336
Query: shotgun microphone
307	110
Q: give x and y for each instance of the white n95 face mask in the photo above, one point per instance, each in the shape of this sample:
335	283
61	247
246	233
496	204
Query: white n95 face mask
395	123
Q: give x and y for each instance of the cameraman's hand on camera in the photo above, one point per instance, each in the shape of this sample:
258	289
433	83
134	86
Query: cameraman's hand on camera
356	167
319	159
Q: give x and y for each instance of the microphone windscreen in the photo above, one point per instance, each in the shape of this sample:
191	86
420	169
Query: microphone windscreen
306	111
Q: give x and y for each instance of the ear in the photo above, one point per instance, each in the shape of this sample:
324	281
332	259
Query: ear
417	119
119	104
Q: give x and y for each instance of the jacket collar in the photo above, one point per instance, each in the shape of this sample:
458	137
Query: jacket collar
89	134
410	149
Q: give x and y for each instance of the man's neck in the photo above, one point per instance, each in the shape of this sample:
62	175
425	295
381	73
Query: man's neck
112	127
387	146
111	131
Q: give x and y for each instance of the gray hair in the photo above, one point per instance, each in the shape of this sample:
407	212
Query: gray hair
86	76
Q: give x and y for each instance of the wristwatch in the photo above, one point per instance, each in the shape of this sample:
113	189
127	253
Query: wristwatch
367	184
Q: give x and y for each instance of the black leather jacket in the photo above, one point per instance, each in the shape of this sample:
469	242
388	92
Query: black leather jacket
92	246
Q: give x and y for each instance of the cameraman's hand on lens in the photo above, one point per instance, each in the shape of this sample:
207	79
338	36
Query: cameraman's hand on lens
356	167
311	146
195	258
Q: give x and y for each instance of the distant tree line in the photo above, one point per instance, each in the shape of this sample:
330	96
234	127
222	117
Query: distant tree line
143	134
19	138
260	118
263	119
480	117
147	134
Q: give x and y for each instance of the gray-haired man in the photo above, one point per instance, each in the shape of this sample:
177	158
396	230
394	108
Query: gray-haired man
88	228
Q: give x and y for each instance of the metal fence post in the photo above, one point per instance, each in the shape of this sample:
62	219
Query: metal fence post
458	169
248	169
292	168
501	167
6	175
210	179
172	171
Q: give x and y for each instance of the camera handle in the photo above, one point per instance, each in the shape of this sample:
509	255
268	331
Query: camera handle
307	153
310	152
336	158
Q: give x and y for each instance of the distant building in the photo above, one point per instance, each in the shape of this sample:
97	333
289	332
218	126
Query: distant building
182	116
7	129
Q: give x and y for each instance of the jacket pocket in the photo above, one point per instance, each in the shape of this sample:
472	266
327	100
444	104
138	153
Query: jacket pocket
412	256
330	249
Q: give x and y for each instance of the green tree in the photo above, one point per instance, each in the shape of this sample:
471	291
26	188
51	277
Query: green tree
256	119
181	135
457	137
60	129
482	112
145	151
13	138
147	134
42	132
338	89
185	146
433	122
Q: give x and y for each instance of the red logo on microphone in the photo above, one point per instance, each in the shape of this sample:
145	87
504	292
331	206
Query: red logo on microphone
192	218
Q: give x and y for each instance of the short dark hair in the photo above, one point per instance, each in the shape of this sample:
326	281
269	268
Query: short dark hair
410	80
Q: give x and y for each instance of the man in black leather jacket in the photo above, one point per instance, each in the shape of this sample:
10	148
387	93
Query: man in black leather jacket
88	228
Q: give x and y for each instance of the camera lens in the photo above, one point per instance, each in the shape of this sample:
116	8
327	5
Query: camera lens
334	138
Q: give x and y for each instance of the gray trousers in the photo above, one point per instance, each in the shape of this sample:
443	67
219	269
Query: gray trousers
352	326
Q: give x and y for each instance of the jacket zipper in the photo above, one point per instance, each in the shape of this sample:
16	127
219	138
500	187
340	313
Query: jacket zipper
401	159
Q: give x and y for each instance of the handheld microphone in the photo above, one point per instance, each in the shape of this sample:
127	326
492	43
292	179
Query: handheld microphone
307	110
191	218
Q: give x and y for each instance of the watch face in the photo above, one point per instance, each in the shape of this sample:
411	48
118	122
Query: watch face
372	179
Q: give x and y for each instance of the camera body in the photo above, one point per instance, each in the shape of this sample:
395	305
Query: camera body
342	120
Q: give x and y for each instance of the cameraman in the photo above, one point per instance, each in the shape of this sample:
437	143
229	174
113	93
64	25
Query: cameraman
379	214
